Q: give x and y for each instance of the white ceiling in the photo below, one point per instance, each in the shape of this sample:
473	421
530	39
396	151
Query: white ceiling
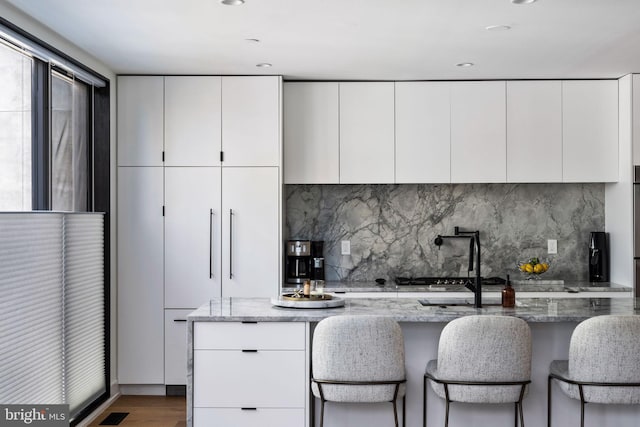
353	39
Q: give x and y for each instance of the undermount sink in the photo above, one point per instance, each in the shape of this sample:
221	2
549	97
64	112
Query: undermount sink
458	302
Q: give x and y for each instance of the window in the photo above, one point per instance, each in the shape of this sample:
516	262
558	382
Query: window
69	143
54	155
15	130
47	127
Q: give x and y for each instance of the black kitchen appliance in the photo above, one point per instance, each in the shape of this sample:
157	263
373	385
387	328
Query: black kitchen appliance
298	261
317	260
598	257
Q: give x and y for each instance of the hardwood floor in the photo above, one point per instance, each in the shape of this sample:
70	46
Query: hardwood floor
148	411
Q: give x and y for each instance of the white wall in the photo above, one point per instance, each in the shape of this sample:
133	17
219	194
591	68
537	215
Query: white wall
619	196
25	22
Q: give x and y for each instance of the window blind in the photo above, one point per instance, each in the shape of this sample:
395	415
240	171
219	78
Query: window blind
52	315
83	308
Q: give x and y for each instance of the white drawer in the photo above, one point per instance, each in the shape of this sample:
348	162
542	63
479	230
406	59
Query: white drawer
271	379
236	417
256	336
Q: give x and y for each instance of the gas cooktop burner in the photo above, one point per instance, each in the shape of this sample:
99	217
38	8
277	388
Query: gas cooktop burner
445	281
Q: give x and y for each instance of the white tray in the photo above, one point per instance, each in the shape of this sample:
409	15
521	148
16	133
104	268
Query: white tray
302	303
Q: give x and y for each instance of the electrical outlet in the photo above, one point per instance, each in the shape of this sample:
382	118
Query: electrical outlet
346	247
552	246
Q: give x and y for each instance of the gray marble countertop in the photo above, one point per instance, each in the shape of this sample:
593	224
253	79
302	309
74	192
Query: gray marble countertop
410	310
519	286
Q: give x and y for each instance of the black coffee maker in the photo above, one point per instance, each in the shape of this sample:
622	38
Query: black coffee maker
298	261
599	257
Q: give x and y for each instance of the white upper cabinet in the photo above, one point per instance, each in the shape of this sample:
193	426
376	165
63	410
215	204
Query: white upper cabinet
192	236
251	128
311	134
192	121
534	131
478	132
590	130
140	118
367	133
423	137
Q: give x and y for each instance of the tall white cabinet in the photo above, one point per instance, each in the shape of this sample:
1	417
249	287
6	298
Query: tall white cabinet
220	138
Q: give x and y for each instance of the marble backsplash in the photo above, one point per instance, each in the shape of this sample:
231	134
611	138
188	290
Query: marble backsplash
392	227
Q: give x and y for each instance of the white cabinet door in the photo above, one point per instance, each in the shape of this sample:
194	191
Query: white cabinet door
175	347
140	118
534	131
478	132
251	129
140	276
367	133
423	137
192	236
590	130
192	121
311	139
251	248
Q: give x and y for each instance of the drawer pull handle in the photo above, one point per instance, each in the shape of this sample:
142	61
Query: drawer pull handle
179	320
248	322
249	409
249	351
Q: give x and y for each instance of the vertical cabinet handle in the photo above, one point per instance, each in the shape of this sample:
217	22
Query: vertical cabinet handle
230	243
210	243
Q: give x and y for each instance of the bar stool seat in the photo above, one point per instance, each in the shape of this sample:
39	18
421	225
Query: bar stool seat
603	365
358	359
481	359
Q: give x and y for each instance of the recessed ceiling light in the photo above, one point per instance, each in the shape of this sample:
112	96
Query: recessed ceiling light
497	28
252	40
232	2
264	65
522	1
465	64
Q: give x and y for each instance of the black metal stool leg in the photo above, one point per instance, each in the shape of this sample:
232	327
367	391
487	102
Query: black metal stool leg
395	412
424	401
549	401
404	410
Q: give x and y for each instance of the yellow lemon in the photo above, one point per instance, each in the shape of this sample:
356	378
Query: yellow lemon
538	268
545	266
528	268
523	267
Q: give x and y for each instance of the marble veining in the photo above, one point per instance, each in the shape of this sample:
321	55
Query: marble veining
410	310
392	227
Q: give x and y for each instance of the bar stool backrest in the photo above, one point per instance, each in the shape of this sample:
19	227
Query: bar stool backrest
606	349
358	348
484	348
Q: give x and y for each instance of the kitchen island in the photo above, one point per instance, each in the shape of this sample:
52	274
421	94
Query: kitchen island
227	337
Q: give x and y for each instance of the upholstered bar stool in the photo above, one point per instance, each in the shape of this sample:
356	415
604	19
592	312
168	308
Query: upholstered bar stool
603	364
481	359
358	359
